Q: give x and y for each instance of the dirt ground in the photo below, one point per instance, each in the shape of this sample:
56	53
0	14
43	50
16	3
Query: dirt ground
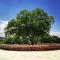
29	55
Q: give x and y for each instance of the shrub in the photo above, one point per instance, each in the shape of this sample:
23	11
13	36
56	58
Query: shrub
16	40
8	40
38	40
55	39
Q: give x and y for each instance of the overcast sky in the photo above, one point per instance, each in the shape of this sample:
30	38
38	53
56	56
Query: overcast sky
9	9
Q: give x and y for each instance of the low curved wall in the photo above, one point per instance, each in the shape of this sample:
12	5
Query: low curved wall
41	47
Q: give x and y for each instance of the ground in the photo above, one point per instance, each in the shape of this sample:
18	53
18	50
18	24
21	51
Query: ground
29	55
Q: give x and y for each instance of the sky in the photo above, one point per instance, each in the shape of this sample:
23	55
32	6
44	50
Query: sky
9	9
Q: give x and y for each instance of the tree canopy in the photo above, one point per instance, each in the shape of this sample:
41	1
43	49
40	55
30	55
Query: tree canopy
30	25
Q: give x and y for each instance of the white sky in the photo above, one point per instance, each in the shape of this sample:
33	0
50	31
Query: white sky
3	24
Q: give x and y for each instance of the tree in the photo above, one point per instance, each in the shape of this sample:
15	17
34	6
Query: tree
30	24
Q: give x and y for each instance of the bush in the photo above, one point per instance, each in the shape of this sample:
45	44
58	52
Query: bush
1	41
12	40
55	39
16	40
38	40
49	39
8	40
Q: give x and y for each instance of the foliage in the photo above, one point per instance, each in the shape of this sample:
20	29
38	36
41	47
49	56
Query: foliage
49	39
8	40
55	39
1	42
31	24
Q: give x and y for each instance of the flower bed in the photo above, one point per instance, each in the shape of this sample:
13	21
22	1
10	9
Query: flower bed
41	47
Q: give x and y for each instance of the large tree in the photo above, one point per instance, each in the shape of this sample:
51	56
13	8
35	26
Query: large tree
30	24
